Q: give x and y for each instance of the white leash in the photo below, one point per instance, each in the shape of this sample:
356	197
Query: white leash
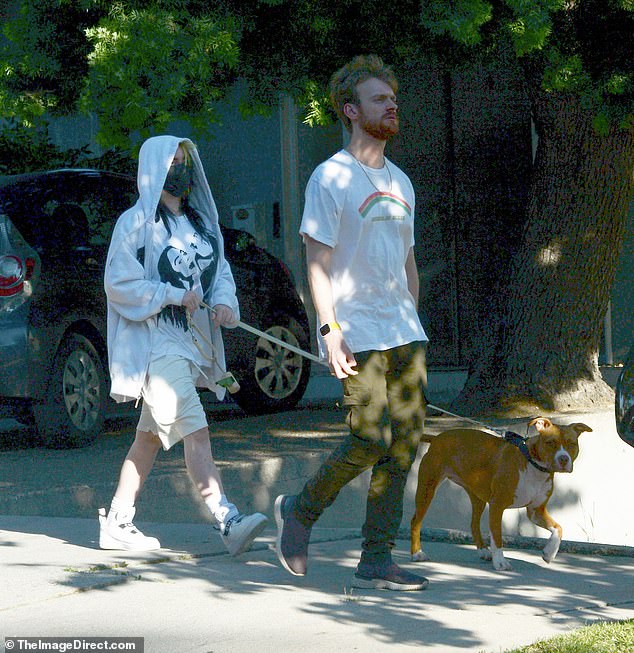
281	343
229	381
467	419
321	361
270	338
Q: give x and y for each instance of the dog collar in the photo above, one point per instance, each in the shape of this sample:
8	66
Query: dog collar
520	442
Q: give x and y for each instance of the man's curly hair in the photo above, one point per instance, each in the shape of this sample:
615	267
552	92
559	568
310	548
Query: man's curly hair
343	84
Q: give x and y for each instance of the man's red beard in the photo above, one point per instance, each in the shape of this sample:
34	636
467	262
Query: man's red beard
379	129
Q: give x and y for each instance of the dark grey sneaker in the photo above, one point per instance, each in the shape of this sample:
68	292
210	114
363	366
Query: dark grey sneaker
387	577
292	537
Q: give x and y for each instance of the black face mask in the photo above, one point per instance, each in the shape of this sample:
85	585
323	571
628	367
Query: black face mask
179	180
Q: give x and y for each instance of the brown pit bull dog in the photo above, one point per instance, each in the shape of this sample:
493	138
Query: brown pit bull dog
509	472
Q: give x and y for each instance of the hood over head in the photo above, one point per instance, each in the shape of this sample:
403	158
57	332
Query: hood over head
155	158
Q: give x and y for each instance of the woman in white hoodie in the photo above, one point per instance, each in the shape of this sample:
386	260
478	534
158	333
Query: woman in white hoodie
166	256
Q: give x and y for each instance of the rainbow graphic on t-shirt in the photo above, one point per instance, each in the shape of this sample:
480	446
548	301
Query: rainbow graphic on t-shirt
383	197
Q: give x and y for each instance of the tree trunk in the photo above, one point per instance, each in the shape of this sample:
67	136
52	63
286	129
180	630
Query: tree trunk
544	356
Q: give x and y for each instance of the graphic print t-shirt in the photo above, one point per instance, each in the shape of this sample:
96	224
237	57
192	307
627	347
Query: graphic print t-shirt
185	260
367	217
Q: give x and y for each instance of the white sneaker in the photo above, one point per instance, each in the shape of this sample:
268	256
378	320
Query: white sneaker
118	533
240	531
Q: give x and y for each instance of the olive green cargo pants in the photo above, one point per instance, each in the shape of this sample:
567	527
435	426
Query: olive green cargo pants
386	412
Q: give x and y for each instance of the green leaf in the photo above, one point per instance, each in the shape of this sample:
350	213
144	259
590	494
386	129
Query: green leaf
461	20
150	67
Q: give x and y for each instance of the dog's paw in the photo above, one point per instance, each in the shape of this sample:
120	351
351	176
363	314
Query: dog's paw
549	553
420	556
500	563
485	554
551	549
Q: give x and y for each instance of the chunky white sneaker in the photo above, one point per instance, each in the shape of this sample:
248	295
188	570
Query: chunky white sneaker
240	531
118	533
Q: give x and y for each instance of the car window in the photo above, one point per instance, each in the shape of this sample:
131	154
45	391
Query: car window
104	201
60	212
22	203
95	201
68	226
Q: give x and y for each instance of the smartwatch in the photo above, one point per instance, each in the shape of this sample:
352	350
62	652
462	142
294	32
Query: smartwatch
325	329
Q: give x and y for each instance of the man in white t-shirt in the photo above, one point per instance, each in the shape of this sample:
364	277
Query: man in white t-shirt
358	229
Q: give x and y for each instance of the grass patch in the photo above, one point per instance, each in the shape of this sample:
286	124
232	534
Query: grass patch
604	637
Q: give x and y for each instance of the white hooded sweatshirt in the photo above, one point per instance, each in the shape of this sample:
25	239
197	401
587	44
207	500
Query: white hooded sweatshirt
134	290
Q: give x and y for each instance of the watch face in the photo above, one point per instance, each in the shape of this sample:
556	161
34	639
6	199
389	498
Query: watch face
325	329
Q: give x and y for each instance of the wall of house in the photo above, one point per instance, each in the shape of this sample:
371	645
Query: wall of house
471	161
425	121
259	169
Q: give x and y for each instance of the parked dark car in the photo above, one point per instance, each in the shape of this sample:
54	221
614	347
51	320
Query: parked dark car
55	229
624	401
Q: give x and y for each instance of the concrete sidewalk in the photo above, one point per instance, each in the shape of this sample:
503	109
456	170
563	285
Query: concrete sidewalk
192	597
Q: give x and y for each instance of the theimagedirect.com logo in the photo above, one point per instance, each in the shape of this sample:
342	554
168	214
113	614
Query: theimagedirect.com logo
65	644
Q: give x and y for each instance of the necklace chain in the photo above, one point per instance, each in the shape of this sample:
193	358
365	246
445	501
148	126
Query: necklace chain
365	172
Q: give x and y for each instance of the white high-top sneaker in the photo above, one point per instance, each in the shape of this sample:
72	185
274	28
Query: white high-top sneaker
239	531
118	533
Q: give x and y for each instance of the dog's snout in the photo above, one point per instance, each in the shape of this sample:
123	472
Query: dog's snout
563	461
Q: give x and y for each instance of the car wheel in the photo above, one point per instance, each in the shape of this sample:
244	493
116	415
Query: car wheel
276	378
72	414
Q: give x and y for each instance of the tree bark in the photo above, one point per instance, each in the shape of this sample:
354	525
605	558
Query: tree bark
544	354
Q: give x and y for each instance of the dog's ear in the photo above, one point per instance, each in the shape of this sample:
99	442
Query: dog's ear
580	428
540	423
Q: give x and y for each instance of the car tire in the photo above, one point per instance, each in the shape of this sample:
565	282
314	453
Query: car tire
275	378
72	415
